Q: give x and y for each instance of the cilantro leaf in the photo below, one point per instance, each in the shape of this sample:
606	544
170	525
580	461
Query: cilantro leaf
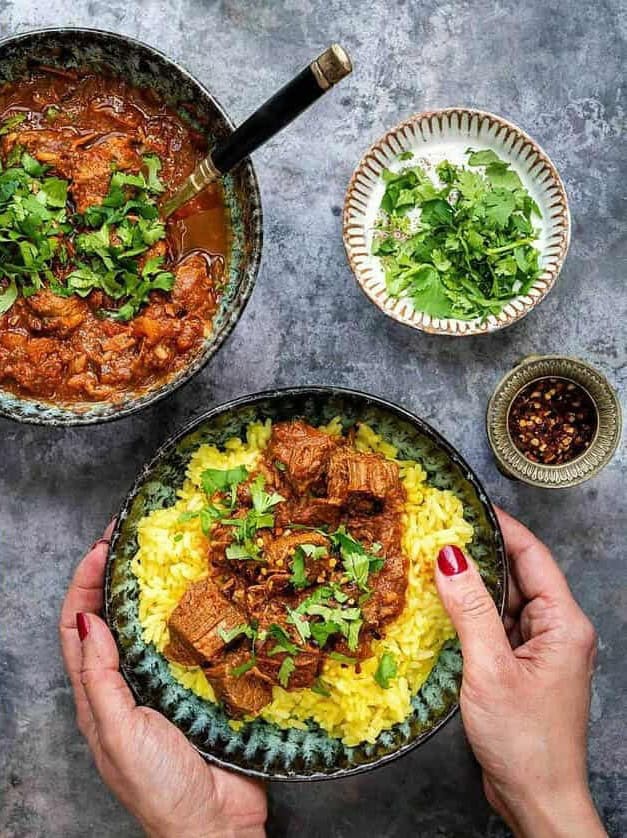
218	480
153	165
243	630
8	296
283	642
12	122
337	656
357	561
300	623
240	670
386	670
320	688
55	190
285	671
298	577
262	501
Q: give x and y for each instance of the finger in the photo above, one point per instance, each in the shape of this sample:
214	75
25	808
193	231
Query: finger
471	609
84	594
533	567
110	699
515	599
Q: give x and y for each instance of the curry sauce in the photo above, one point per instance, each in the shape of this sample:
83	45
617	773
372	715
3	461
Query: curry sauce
65	348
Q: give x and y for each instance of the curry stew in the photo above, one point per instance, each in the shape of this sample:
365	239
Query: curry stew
304	562
98	296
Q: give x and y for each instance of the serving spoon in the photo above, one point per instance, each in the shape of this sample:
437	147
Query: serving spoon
289	102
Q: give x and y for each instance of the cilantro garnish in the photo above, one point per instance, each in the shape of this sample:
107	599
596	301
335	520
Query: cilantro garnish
257	518
299	577
471	249
358	562
237	671
283	642
320	687
12	122
262	501
337	656
243	630
37	235
33	223
219	480
333	618
386	670
287	667
300	622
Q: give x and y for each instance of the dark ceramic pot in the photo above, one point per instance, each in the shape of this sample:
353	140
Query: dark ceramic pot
262	749
145	66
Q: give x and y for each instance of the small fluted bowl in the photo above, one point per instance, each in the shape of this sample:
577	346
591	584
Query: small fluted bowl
262	749
512	463
445	134
145	66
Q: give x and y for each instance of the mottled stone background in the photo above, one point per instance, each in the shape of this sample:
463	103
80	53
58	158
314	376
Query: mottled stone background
556	67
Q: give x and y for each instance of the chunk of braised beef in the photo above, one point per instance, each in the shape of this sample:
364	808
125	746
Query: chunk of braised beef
310	512
307	666
362	481
388	591
242	695
197	620
303	453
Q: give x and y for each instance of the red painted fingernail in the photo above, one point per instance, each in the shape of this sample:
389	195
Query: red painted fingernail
99	541
82	624
451	560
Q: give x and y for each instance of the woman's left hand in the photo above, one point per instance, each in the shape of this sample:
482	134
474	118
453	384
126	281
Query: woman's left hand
143	758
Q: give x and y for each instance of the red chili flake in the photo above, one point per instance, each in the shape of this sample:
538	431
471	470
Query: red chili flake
552	421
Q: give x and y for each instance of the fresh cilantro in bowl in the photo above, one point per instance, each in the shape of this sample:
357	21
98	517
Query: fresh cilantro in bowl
459	246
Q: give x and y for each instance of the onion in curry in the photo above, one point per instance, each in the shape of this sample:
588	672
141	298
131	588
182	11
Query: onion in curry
108	300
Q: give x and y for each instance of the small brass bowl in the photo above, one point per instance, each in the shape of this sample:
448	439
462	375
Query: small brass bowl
511	461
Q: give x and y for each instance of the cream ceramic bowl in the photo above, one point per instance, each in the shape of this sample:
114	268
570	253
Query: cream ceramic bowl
434	136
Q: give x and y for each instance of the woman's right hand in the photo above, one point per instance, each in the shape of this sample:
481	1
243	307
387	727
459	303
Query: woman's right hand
526	687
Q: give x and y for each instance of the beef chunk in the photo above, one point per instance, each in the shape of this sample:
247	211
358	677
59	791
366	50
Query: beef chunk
243	695
56	315
91	168
362	481
388	591
195	623
307	666
304	452
310	512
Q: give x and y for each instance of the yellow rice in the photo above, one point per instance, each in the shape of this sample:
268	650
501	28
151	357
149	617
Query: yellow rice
172	554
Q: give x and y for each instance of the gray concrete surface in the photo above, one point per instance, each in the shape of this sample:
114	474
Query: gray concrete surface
555	68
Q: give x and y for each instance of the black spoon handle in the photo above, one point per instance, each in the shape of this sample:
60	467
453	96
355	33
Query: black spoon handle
308	86
288	103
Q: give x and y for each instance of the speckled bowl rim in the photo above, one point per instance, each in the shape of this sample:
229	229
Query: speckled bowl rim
312	391
473	328
512	462
248	275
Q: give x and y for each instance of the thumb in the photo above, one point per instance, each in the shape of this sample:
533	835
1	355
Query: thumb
471	609
107	693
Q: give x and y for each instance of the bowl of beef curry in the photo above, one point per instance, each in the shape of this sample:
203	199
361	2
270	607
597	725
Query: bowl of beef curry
105	306
270	582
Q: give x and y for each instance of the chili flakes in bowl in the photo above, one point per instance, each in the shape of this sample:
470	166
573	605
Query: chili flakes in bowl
552	421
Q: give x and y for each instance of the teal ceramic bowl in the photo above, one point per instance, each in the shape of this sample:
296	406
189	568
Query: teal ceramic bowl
262	749
144	66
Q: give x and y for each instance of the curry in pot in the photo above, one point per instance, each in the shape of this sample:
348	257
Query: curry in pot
100	298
